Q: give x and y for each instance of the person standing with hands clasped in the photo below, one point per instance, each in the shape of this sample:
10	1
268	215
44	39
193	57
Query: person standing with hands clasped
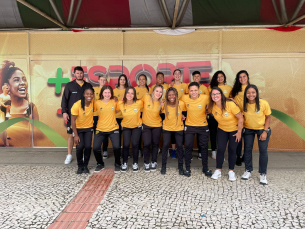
82	126
230	125
257	121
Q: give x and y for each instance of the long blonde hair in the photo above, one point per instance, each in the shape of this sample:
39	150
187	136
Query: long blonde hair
153	96
176	103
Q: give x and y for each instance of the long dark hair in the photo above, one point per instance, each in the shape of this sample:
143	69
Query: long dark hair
146	81
176	102
134	94
223	100
83	97
103	89
237	85
257	106
126	81
214	81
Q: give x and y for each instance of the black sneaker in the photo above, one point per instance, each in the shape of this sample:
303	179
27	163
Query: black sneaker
124	167
117	168
153	166
99	168
238	161
187	173
79	170
86	170
147	168
163	170
208	173
181	171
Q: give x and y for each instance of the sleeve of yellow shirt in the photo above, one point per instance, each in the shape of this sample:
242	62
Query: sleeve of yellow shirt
75	108
267	110
234	108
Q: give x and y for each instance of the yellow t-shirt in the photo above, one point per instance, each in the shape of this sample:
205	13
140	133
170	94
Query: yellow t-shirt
165	87
202	89
151	112
84	117
226	119
239	98
141	92
226	90
97	91
256	120
119	93
171	123
181	88
196	110
106	116
131	114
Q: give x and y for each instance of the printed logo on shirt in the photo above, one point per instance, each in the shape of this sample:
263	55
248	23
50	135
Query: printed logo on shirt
138	93
148	106
200	91
92	110
226	114
199	106
96	132
116	132
112	108
146	93
74	92
187	105
84	113
181	89
215	113
124	111
135	110
258	111
101	108
179	113
225	91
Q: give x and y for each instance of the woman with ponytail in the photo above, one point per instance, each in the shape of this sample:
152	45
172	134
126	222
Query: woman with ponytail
82	126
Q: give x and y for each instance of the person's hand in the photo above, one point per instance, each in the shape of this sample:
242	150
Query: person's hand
8	107
263	136
172	83
76	140
162	102
115	98
182	118
238	136
66	117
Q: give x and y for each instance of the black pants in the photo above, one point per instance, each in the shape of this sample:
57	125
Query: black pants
151	136
115	139
222	140
213	125
203	138
135	133
167	135
83	149
249	136
119	121
105	142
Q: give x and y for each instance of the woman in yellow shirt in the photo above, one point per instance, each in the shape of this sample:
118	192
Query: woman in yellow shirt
142	89
107	127
230	125
152	126
196	123
219	79
82	126
118	94
237	93
257	122
180	87
172	125
102	80
131	126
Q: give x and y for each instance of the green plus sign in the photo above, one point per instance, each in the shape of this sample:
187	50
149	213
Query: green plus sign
58	80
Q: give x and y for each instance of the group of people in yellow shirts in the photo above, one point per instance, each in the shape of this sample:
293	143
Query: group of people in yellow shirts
178	110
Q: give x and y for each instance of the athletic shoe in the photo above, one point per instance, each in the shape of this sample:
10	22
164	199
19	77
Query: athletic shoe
216	174
238	161
86	170
207	173
135	167
124	167
246	175
199	156
163	170
8	115
181	171
68	159
105	154
214	155
79	170
99	168
174	153
263	179
153	166
147	168
187	173
232	176
117	168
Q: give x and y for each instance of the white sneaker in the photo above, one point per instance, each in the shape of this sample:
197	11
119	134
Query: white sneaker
105	154
153	166
8	115
216	174
68	159
199	156
124	167
263	179
246	175
214	155
232	176
147	168
135	167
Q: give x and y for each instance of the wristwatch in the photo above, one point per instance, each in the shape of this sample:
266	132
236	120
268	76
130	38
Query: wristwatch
266	131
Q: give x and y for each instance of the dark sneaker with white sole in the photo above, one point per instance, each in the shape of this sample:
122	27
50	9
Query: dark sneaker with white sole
99	168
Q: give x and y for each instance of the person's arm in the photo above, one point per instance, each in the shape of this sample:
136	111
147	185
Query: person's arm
263	136
65	102
76	138
240	126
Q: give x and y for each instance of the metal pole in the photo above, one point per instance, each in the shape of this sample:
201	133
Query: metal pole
283	12
182	11
56	11
70	12
295	21
297	9
76	11
276	12
175	14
